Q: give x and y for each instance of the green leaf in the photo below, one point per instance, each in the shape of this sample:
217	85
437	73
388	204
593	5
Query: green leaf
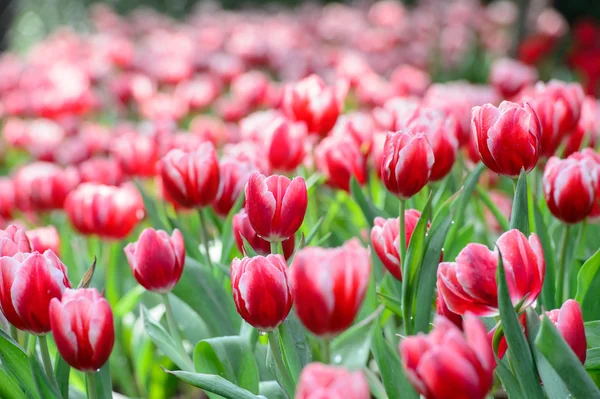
9	388
592	359
104	382
129	301
519	218
44	387
227	238
230	358
566	364
152	210
352	348
214	384
294	346
518	348
548	289
191	325
271	390
592	333
16	363
508	380
497	213
588	286
375	386
62	371
313	232
390	303
248	250
86	280
369	210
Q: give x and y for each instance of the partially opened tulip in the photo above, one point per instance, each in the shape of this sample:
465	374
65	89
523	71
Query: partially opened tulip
101	170
340	158
13	240
83	328
243	230
319	381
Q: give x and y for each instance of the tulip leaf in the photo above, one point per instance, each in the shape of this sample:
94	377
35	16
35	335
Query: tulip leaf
391	303
592	359
215	384
62	371
271	390
588	286
86	280
104	382
592	333
489	203
16	364
248	250
129	301
294	346
227	236
508	380
312	233
518	347
44	387
192	326
548	290
230	358
352	348
9	388
519	218
375	385
369	210
564	361
150	207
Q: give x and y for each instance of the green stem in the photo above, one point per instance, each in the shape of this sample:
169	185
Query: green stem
46	359
402	234
204	236
289	385
31	344
90	379
560	276
326	348
404	268
172	323
274	248
14	333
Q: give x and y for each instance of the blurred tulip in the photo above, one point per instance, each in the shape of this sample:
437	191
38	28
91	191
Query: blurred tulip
442	309
276	205
7	197
43	239
359	127
234	176
285	143
137	154
469	284
192	179
447	364
156	259
508	138
329	286
42	186
406	163
322	381
251	87
569	322
510	76
410	81
260	290
340	158
83	328
13	240
101	170
28	281
588	127
243	228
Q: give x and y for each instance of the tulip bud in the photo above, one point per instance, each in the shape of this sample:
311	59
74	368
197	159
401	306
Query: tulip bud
234	176
569	322
243	228
510	76
276	206
13	240
101	170
570	187
449	364
43	239
339	159
386	241
469	284
357	126
321	381
83	328
43	186
137	154
406	163
508	138
156	259
260	290
285	144
27	284
192	179
329	286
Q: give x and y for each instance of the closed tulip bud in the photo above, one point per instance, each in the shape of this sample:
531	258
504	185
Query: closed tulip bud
108	211
406	163
329	286
319	381
83	328
260	290
447	364
234	176
138	155
101	170
13	240
43	239
276	205
243	228
156	259
285	144
508	138
569	322
570	187
510	76
43	186
385	239
192	179
469	284
339	158
27	284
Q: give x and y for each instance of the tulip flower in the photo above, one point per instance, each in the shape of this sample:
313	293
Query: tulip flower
447	364
101	170
260	290
285	144
339	159
13	240
276	205
83	328
27	284
510	76
7	197
192	179
43	239
508	138
358	126
156	259
318	381
234	176
588	127
570	187
569	322
442	309
469	284
43	186
138	155
385	239
243	228
406	163
108	211
329	286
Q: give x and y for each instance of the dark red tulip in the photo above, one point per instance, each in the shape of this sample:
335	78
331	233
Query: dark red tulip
340	158
234	176
322	381
243	228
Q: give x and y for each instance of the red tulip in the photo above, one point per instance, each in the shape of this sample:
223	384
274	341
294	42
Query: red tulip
83	328
588	127
510	76
570	187
442	309
101	170
340	158
243	228
27	284
138	155
43	186
358	126
410	81
329	286
192	179
508	138
7	197
108	211
406	163
43	239
251	87
13	240
260	290
156	259
320	381
569	322
276	206
447	364
234	176
285	144
386	241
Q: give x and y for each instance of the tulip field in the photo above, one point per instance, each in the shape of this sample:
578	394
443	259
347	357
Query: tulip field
329	202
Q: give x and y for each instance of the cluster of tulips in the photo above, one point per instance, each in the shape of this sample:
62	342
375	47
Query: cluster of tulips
307	208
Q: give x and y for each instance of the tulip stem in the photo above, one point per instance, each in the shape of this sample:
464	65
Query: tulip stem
560	276
204	235
92	391
14	333
402	234
274	248
289	385
46	359
172	323
326	351
31	344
